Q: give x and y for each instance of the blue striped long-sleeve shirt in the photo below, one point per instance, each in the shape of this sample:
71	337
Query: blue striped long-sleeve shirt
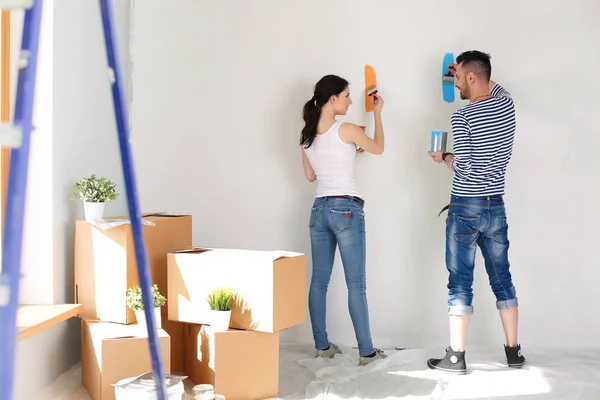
483	134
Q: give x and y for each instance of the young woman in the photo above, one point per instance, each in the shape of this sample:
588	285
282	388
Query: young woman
337	218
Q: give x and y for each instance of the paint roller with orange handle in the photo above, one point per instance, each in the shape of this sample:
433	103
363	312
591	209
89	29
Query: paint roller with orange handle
370	87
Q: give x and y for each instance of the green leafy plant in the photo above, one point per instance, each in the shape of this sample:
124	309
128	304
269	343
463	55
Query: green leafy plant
220	299
95	190
135	301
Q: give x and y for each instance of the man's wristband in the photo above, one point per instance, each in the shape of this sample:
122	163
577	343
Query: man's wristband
444	156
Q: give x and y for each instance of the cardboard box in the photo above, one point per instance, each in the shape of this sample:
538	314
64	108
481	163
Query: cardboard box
239	364
105	262
270	287
176	331
111	352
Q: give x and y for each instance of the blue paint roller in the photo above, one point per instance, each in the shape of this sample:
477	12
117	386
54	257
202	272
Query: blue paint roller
448	78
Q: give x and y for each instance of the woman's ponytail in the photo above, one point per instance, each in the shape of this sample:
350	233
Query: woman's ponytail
311	114
329	85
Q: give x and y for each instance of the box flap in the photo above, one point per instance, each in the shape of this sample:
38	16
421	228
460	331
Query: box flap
164	214
259	255
113	222
241	254
193	250
108	330
285	254
109	223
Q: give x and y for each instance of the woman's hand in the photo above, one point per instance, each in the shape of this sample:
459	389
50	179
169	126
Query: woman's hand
377	103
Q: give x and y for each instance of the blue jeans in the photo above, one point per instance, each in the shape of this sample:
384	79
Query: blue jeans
472	222
339	222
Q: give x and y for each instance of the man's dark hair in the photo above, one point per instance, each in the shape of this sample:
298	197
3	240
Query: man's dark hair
476	62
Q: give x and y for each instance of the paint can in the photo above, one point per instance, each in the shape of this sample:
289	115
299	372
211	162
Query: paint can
439	141
204	391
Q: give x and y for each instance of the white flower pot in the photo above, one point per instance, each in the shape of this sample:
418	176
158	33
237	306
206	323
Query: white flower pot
93	211
140	316
219	320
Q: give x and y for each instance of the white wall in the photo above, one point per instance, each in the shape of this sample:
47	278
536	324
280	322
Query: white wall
75	137
217	98
85	133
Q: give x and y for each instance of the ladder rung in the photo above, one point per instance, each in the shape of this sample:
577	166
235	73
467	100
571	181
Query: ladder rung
18	4
10	135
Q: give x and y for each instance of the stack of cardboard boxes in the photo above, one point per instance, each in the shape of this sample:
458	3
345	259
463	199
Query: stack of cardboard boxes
269	287
242	363
112	347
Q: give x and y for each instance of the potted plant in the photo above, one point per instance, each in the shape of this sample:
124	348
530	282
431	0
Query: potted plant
95	193
136	303
220	301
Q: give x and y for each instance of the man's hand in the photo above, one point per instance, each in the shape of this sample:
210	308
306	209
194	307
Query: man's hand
436	156
452	68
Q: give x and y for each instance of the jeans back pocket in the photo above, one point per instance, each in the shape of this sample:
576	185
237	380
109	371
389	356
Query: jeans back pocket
341	220
465	227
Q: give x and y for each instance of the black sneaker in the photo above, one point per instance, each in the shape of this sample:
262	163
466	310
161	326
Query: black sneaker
454	362
514	357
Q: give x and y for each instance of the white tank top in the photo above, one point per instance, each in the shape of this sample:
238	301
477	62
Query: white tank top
333	163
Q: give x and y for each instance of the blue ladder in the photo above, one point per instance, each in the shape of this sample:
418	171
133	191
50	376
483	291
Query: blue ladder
18	136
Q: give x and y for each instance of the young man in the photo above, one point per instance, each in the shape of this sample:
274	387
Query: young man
483	133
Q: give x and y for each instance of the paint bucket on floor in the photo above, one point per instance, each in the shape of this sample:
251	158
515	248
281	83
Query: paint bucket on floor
143	387
204	391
